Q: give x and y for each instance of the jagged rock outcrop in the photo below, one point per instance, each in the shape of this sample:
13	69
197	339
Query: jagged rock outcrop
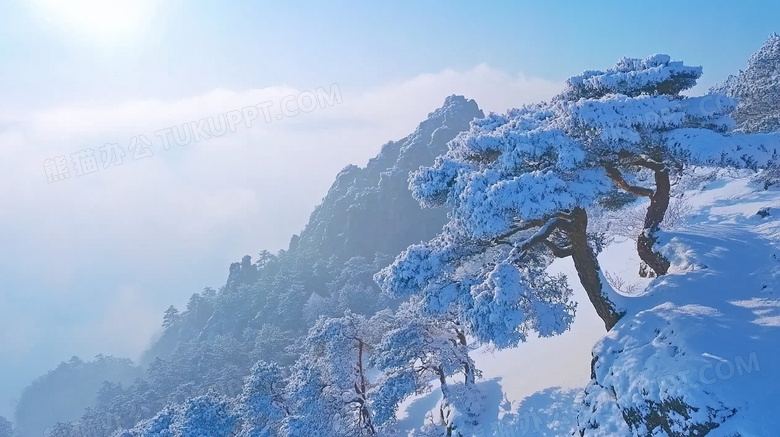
241	273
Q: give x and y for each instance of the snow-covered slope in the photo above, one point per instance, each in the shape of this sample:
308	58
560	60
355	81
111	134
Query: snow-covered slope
700	345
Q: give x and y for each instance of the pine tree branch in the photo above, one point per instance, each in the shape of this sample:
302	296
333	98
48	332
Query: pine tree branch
616	176
558	252
645	161
523	226
540	236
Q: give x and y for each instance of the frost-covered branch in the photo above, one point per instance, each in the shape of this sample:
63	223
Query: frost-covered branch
523	226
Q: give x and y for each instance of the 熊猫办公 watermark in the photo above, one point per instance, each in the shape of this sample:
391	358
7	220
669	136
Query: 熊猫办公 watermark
91	160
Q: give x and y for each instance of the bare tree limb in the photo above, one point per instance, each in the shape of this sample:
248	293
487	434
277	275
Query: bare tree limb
558	252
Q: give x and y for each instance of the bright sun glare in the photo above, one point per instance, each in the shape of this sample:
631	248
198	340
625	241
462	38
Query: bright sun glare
100	20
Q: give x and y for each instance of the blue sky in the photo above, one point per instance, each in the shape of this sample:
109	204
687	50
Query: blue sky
89	264
191	47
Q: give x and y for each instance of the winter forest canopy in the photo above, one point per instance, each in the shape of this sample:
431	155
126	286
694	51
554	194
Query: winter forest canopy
444	243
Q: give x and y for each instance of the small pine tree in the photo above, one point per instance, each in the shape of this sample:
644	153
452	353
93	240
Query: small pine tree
171	317
6	427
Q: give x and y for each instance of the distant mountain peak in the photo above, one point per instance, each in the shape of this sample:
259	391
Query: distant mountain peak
370	209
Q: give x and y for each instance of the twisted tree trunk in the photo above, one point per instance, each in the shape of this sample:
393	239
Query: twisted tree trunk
468	369
575	226
659	203
588	268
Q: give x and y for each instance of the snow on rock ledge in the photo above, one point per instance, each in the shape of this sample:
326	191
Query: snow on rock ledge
699	355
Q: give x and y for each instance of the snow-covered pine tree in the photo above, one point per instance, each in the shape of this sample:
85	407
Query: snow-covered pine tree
158	425
620	116
313	408
415	350
518	187
328	388
523	182
758	90
210	415
263	405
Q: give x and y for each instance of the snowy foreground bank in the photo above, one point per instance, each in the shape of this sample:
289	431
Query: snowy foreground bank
700	346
